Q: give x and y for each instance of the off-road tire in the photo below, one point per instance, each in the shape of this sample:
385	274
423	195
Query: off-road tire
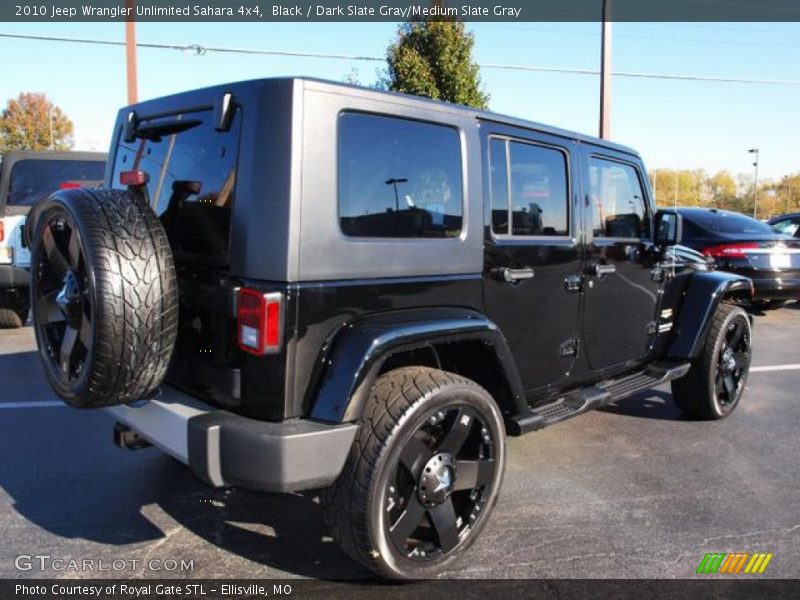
698	393
399	401
127	278
10	319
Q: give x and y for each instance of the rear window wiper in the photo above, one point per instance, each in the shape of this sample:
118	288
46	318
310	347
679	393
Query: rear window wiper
155	131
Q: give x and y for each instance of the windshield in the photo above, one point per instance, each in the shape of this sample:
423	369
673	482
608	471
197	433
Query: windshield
729	223
33	178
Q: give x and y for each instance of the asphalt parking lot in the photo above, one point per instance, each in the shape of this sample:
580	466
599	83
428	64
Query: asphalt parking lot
632	491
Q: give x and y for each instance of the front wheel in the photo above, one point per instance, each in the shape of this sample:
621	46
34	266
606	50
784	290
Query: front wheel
716	380
423	474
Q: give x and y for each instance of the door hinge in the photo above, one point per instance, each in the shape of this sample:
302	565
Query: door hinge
569	348
652	328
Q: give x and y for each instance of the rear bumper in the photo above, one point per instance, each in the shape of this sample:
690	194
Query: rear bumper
223	449
777	288
14	277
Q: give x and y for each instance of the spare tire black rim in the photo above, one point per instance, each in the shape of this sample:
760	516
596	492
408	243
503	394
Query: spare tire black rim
62	302
440	485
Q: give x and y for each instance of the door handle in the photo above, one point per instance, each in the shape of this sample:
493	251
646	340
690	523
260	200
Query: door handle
516	275
600	269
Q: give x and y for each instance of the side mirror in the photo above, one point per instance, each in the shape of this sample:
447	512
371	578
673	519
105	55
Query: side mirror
669	229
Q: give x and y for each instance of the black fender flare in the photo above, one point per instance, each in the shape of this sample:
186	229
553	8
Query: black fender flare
360	348
701	297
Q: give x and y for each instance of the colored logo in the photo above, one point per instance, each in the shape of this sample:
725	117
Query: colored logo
734	563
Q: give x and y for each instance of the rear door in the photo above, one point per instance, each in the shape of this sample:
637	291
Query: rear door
532	251
622	280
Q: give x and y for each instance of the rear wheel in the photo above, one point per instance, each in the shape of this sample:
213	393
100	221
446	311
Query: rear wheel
716	380
104	296
423	474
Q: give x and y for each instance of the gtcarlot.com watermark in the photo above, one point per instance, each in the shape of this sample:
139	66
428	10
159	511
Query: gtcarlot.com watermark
47	563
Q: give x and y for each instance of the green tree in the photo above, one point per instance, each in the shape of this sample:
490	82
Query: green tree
32	122
434	59
723	189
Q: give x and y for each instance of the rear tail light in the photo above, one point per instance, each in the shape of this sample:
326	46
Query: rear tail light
730	250
259	321
2	231
69	185
133	178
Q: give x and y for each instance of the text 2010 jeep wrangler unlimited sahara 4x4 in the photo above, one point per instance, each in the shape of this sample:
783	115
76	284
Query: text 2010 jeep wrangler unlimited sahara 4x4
366	292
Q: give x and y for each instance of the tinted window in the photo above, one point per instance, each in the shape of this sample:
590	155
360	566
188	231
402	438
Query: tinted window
34	179
192	177
728	223
498	174
398	178
617	200
538	196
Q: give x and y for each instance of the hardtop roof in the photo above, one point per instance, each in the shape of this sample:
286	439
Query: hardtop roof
400	98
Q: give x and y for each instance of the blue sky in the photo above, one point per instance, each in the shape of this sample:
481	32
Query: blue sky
679	124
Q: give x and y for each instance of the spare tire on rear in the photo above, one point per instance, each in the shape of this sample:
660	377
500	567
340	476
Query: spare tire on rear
104	296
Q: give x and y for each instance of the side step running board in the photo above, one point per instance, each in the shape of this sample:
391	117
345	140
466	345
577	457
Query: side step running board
588	398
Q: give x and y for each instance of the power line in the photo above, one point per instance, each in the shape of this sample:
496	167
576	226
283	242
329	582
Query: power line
200	50
634	36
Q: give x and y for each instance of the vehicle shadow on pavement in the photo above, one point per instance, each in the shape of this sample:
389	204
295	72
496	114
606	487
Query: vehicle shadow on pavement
650	404
279	531
65	479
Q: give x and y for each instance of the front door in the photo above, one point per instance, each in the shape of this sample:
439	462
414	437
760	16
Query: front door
621	280
532	251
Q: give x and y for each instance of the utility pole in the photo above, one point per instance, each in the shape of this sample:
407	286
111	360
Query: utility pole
130	53
605	73
676	189
755	181
50	123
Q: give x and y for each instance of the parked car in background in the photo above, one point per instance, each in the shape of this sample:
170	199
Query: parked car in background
786	224
743	245
25	178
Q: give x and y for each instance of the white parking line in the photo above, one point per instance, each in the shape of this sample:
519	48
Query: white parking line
775	368
41	404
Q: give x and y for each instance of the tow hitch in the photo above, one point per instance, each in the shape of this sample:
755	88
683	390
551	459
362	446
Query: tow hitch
125	437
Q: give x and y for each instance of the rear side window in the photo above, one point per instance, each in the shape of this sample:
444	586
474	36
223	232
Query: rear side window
617	200
33	179
192	177
534	197
398	178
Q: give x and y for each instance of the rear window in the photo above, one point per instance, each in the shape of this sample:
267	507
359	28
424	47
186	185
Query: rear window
398	178
192	177
728	223
33	178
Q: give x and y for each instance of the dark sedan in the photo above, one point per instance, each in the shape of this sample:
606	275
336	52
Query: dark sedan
748	247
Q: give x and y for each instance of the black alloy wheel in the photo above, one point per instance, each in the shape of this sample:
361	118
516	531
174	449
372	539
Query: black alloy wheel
423	474
440	483
717	377
63	300
733	363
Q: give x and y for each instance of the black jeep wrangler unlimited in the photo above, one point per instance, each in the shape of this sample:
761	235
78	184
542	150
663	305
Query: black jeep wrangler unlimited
292	284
